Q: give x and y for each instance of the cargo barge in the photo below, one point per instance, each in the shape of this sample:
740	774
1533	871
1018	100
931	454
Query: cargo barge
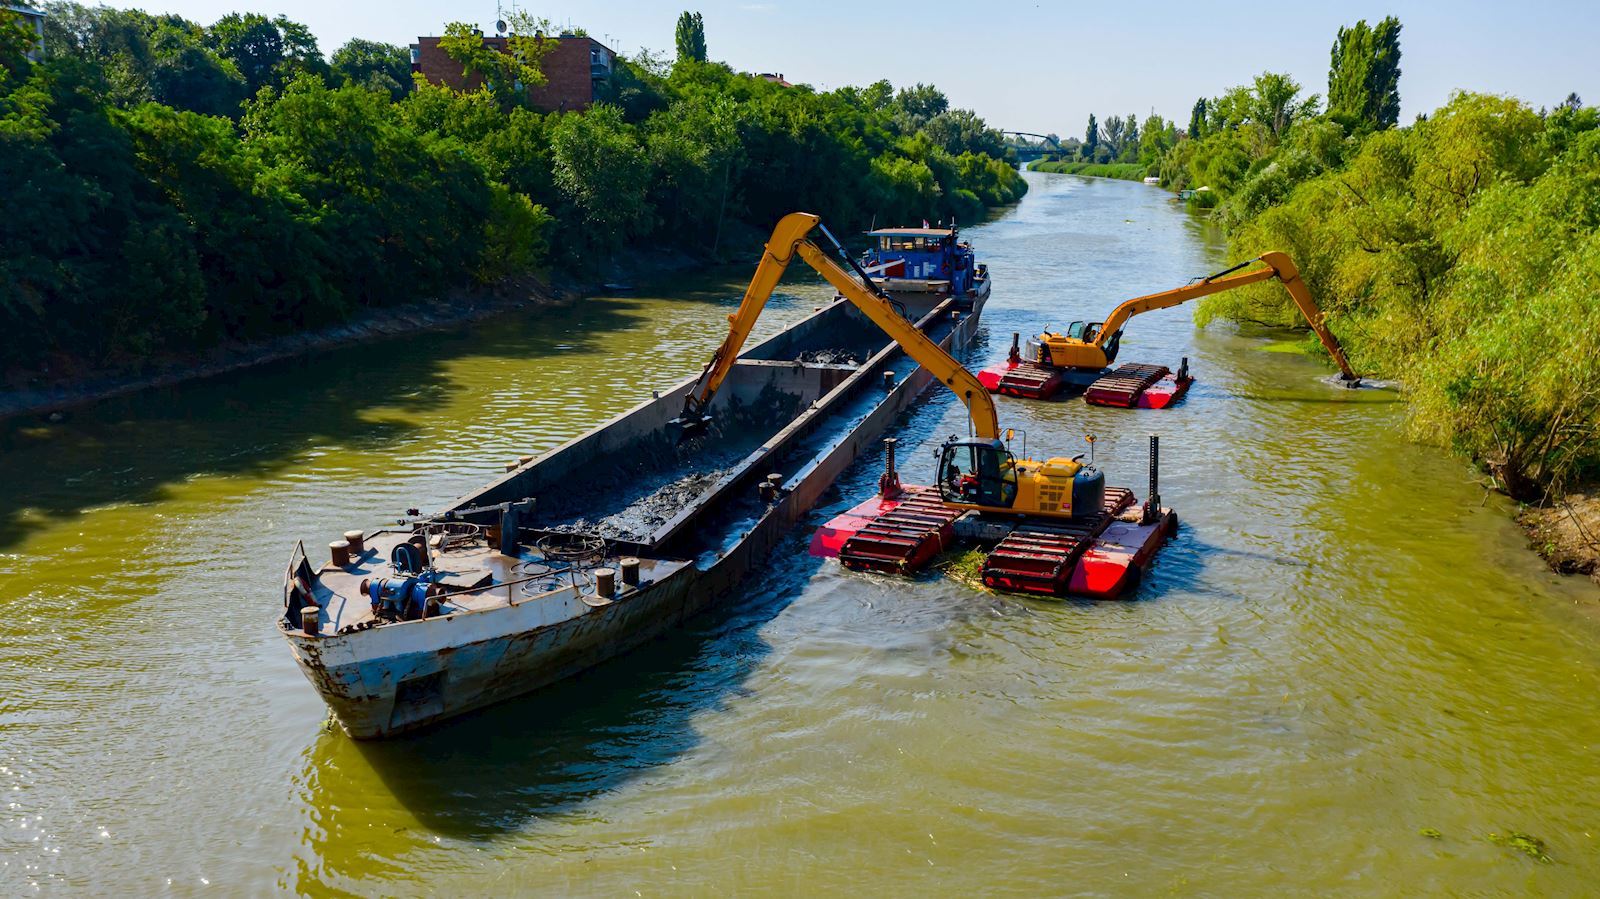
609	540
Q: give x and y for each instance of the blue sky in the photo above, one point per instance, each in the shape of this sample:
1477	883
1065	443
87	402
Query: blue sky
1041	66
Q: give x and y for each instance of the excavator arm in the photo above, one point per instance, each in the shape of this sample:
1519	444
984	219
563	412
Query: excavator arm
789	239
1278	266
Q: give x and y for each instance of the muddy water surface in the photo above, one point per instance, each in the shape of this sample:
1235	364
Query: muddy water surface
1345	646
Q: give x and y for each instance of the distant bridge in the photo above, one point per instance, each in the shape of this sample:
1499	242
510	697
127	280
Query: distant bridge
1032	151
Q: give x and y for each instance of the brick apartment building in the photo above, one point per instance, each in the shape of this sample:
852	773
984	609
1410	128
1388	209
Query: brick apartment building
574	70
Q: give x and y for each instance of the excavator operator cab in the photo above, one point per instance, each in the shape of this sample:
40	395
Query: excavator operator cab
1076	329
977	473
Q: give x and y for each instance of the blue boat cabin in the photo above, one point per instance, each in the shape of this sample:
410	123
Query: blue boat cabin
925	254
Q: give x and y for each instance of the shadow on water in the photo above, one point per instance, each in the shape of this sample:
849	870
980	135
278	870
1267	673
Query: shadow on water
549	753
254	422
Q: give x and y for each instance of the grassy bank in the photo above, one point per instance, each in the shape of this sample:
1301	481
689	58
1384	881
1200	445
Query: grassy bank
1125	171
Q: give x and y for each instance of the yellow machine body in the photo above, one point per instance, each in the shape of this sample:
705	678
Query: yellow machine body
1093	345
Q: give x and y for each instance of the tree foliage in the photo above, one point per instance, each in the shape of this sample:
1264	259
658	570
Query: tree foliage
375	66
1460	255
172	186
1364	77
507	74
690	37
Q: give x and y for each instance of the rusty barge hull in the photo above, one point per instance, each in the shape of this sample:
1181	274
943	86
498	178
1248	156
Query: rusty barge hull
500	632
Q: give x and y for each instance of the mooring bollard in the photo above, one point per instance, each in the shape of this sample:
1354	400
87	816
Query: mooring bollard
605	582
309	620
340	551
630	571
357	541
888	380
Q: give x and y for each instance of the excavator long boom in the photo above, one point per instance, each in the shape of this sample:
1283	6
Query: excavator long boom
789	239
1278	266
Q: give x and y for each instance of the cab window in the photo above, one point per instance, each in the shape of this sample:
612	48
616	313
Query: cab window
977	474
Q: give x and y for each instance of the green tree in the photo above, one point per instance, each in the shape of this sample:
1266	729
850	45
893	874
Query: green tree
1113	133
1155	140
374	65
1130	139
266	52
1275	102
601	170
1364	76
506	75
963	131
1197	119
915	106
691	37
188	75
1091	139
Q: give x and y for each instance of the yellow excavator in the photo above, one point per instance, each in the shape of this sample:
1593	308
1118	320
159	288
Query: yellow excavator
1082	355
978	473
1094	344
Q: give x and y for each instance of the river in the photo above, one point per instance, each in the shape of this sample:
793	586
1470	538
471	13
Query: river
1346	645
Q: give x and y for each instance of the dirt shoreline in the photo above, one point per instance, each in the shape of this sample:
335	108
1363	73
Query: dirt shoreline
54	395
1565	532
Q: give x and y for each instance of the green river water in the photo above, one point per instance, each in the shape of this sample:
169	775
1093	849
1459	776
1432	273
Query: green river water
1345	645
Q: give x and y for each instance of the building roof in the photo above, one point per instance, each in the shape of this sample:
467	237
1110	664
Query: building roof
564	36
912	232
22	10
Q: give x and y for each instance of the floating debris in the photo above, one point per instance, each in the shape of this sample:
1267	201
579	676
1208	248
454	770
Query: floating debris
1527	844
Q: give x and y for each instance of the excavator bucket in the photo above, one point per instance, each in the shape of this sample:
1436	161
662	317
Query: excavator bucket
689	425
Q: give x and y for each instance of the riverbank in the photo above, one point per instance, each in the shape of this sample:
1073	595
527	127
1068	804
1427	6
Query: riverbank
1566	532
53	395
1121	171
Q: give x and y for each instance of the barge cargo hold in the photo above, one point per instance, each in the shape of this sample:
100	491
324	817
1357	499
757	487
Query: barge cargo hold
605	542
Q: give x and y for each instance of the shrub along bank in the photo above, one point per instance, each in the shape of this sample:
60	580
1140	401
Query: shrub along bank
1458	255
1125	171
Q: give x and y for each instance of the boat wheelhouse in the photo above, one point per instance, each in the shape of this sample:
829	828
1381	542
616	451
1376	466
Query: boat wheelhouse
925	261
